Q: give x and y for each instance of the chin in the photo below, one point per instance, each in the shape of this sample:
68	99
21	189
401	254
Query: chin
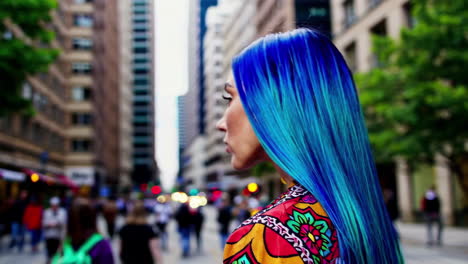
242	165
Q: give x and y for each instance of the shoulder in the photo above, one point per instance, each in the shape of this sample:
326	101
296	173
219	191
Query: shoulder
293	229
101	253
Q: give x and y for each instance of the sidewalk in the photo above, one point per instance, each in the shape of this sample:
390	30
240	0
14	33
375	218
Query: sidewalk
416	234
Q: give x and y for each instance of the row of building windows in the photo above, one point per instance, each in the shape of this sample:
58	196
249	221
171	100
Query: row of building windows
379	29
33	132
82	68
81	145
81	43
53	83
83	1
81	119
42	104
351	17
83	20
81	93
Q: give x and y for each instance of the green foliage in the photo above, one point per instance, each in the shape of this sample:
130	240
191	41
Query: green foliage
416	103
20	58
262	169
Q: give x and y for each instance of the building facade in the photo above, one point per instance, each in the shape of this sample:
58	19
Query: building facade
126	92
144	164
112	96
78	30
39	143
192	105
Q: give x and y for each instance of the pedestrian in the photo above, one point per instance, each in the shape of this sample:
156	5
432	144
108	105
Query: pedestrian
139	241
83	244
184	221
163	213
198	219
4	219
293	102
224	220
16	213
32	220
391	203
430	205
109	212
54	224
242	211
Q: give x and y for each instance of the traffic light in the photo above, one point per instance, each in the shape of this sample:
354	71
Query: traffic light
156	189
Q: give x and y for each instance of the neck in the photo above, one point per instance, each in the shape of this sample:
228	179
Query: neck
288	179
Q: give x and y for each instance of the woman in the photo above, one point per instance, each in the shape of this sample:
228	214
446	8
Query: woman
83	243
139	243
294	103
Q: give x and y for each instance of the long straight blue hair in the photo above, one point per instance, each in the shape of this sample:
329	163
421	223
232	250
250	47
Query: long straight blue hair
301	100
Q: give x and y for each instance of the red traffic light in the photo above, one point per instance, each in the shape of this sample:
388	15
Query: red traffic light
156	189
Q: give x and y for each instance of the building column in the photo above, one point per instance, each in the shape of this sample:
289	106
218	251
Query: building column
445	183
404	190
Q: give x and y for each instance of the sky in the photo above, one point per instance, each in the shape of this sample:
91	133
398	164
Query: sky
171	40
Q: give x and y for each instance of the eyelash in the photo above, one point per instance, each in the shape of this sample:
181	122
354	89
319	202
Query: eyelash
227	98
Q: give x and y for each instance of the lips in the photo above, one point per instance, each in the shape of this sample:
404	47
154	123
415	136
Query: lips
228	149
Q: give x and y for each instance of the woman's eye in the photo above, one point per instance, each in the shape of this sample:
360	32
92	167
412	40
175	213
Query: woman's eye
227	98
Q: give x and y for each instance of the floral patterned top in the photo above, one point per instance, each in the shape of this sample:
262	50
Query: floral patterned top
293	229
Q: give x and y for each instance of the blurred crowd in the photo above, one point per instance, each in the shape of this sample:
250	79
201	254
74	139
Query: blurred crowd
135	230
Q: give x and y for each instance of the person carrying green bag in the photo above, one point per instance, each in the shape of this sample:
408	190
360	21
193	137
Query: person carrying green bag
84	245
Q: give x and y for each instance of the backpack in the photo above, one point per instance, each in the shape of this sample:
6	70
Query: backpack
80	256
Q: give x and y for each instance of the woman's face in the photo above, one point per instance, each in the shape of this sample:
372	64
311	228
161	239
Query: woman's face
240	139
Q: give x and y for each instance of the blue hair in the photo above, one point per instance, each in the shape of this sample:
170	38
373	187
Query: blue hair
301	100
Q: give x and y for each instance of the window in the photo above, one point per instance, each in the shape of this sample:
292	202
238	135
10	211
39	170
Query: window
380	29
374	3
81	145
140	81
140	39
81	118
7	35
141	71
140	60
81	67
27	91
350	55
139	30
140	20
82	43
83	20
410	20
350	16
140	49
80	93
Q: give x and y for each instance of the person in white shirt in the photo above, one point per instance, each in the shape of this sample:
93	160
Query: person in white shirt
163	213
54	224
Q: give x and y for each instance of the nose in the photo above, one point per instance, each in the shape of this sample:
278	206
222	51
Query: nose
221	124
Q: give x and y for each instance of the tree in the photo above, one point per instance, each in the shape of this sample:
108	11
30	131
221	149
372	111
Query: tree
416	102
24	55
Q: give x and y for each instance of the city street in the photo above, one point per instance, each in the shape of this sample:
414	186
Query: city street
454	251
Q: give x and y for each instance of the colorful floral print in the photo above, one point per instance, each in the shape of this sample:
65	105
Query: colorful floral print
292	229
